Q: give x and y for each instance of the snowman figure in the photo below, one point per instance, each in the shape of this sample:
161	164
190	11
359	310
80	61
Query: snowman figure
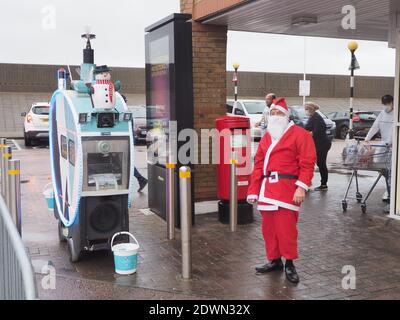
103	90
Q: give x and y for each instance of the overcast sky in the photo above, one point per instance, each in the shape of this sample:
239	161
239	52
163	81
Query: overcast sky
48	32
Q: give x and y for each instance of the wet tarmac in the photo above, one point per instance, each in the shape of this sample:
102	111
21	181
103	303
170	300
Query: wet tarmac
223	262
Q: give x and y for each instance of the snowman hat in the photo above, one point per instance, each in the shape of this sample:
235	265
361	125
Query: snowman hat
280	104
101	69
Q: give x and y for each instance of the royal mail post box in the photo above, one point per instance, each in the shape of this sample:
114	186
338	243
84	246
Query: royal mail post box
234	137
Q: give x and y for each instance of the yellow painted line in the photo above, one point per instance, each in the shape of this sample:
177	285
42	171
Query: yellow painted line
7	155
185	175
170	165
13	172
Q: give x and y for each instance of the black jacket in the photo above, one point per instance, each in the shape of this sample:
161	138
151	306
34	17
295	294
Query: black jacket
317	126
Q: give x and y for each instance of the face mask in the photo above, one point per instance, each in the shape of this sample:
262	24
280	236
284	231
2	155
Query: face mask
277	126
388	109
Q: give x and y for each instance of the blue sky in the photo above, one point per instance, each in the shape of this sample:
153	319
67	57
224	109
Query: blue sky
48	32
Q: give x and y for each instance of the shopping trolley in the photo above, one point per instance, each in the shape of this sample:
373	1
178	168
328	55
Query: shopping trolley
357	157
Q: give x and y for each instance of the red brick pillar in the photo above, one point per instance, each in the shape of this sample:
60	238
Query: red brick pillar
209	86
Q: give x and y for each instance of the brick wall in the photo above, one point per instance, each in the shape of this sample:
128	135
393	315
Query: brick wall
209	91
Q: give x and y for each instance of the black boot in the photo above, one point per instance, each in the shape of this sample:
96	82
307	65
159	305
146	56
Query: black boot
291	273
274	265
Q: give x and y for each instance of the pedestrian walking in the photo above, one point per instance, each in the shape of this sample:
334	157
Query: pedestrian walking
317	127
141	180
283	170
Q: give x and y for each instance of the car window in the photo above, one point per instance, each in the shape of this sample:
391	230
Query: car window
255	107
239	109
41	110
299	112
332	115
229	106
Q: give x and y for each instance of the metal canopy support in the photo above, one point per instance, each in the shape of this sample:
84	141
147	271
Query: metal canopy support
395	196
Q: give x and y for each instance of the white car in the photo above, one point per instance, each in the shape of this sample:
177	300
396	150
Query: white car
252	109
36	123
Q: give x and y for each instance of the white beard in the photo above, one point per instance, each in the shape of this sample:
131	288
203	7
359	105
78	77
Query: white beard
277	126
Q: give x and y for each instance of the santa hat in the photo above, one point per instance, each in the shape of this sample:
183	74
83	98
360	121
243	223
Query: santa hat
280	104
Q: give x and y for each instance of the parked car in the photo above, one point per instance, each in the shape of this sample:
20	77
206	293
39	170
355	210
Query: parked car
139	123
252	109
36	123
299	117
362	122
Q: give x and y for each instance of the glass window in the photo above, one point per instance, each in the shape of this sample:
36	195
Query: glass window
255	107
239	109
229	107
71	152
103	166
64	147
41	110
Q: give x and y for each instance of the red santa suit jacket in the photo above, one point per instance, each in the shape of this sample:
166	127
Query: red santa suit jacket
294	154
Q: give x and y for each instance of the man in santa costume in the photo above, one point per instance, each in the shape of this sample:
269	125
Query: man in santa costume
283	170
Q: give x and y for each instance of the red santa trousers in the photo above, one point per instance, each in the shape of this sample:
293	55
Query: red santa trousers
279	229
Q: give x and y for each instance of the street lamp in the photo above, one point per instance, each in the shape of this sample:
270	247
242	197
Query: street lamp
353	46
236	66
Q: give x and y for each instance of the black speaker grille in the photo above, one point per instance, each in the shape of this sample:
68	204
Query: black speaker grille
104	217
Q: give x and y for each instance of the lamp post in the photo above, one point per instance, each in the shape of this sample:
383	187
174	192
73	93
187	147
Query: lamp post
353	46
236	66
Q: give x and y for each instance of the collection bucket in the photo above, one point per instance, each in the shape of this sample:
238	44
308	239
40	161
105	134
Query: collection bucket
49	196
125	255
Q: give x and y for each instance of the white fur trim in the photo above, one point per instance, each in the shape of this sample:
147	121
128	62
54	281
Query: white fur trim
302	185
267	208
252	197
280	203
280	108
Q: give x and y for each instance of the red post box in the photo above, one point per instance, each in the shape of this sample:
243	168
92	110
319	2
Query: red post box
234	136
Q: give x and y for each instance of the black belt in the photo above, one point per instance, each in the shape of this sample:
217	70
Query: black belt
281	176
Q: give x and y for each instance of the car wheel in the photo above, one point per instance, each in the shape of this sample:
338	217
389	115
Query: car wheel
343	132
28	142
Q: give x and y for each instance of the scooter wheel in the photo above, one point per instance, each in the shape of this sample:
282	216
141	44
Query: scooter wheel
61	236
74	254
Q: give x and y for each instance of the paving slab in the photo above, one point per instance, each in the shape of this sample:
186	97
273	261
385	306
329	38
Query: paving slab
223	262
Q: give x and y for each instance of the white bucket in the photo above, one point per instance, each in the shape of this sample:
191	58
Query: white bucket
49	195
125	255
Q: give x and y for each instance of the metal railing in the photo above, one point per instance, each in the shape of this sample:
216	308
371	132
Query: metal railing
17	279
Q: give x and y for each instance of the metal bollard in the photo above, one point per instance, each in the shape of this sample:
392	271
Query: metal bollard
233	201
2	177
6	155
171	200
14	194
186	220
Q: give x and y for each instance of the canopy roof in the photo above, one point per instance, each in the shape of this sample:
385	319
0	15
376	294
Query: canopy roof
322	18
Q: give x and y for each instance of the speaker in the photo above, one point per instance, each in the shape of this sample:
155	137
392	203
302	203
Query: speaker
102	217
